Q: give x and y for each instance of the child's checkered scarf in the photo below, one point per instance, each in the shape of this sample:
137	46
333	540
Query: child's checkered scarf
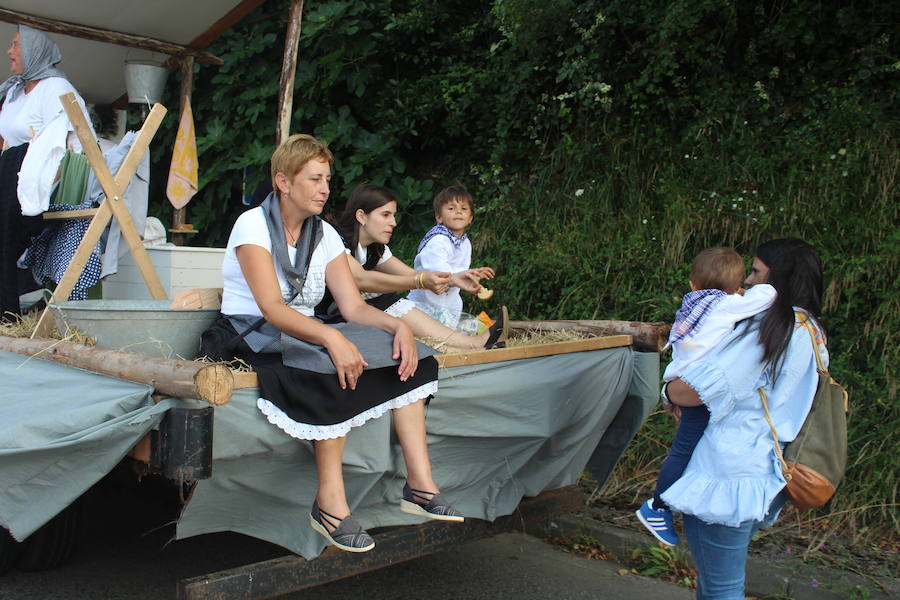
694	308
442	230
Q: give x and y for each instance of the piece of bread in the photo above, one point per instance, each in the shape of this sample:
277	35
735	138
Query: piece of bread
484	293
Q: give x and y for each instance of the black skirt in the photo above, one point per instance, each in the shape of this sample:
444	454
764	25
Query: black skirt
16	230
312	406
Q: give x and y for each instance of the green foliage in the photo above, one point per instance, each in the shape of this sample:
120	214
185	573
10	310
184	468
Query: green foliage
669	563
606	143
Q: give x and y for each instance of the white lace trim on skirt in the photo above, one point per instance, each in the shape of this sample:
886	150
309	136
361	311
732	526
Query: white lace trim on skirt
305	431
400	308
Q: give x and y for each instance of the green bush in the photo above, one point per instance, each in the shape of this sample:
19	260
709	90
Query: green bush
606	143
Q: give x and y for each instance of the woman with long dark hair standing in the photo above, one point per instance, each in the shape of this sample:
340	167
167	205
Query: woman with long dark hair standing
734	483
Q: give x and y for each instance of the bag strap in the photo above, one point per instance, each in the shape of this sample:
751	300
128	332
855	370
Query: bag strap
805	323
820	365
803	318
784	465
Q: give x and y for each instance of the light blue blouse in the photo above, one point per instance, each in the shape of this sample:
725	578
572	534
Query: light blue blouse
734	474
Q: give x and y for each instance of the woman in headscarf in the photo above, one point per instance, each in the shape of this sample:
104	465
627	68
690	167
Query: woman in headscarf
30	102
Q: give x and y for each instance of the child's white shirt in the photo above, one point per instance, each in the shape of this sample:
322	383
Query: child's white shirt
718	323
439	254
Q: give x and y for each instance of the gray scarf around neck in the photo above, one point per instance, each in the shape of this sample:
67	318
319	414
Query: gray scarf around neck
39	57
310	234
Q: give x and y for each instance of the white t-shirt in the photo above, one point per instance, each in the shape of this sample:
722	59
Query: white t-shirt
25	117
361	255
250	228
718	323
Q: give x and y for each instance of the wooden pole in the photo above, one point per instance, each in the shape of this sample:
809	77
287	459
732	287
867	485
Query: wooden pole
105	35
211	383
646	336
288	72
180	227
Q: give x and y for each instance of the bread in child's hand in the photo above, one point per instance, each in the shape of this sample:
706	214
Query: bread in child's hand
484	293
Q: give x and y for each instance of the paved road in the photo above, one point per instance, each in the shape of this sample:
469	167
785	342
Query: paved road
127	554
508	566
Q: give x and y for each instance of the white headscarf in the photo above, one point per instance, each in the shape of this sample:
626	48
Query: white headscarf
40	54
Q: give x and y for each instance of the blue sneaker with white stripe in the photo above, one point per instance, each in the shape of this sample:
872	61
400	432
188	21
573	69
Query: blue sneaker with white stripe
658	521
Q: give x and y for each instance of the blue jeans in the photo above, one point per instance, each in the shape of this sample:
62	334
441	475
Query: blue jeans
690	429
720	553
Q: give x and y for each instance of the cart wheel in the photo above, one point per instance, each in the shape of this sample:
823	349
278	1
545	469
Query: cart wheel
54	543
9	550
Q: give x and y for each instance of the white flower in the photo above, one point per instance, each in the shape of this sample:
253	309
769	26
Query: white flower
842	151
578	192
687	155
644	221
833	156
734	206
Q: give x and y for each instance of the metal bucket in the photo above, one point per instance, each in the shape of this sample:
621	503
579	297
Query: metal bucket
145	81
147	327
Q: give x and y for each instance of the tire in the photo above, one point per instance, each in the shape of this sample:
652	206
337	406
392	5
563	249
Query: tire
9	550
54	543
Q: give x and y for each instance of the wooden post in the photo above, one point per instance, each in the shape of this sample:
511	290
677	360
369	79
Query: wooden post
180	227
288	71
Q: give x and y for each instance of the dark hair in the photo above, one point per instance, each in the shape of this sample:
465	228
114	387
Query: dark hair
718	268
366	197
795	271
454	192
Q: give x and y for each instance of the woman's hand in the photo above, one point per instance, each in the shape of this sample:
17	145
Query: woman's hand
470	280
673	411
436	281
405	350
346	358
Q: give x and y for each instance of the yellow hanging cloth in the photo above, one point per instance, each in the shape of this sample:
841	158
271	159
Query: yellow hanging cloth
183	172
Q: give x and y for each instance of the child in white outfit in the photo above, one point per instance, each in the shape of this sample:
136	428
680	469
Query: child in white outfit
446	248
707	314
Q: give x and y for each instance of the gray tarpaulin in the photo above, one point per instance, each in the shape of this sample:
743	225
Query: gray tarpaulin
497	432
62	430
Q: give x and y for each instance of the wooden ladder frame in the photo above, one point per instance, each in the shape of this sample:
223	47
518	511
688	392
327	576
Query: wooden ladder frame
110	206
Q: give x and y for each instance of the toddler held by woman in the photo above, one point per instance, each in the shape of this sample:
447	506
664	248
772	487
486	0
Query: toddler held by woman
707	314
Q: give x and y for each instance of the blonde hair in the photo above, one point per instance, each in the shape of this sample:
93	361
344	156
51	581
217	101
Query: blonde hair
718	268
295	152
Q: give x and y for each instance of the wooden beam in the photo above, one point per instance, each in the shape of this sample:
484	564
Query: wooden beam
288	72
211	383
247	379
480	357
225	23
105	35
647	336
70	215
